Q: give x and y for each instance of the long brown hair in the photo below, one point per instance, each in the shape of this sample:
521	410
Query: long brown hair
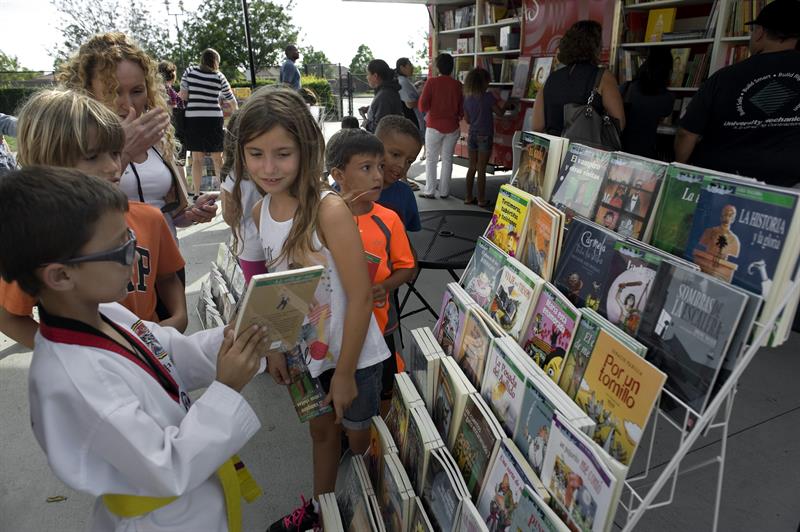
267	108
99	57
476	82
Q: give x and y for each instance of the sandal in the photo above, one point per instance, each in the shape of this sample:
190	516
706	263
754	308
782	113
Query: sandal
472	201
484	204
427	196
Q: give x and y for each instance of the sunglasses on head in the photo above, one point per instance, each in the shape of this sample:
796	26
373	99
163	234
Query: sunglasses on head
125	254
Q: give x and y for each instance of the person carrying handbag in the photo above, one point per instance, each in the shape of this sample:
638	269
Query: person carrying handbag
581	101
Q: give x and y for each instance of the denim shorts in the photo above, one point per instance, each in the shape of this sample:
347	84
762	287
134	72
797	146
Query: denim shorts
367	403
480	142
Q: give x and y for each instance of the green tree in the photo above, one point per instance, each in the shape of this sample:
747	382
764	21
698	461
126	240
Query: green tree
359	63
80	19
219	24
12	70
419	52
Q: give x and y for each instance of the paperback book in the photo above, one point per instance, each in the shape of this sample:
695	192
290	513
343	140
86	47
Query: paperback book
441	494
631	276
452	392
507	226
476	337
534	514
543	241
451	318
306	392
422	363
516	291
503	387
542	67
580	180
482	274
540	159
475	444
550	331
578	356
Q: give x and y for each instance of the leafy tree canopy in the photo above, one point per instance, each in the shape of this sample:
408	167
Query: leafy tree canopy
359	63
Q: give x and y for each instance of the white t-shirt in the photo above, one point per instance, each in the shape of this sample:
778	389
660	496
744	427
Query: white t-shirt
321	338
155	180
249	245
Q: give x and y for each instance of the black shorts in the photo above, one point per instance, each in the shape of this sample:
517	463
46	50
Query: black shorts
389	369
204	134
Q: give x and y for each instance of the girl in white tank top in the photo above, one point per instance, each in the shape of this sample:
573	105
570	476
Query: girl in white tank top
301	223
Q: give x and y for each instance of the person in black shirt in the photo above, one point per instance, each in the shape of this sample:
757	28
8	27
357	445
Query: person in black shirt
745	119
579	52
647	101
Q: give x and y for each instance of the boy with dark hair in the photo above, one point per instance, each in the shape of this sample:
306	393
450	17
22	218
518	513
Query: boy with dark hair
109	396
354	157
401	146
350	122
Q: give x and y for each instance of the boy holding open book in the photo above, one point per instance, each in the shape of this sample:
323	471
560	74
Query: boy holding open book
355	159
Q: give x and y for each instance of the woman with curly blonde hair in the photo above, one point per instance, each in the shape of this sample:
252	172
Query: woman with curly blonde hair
114	70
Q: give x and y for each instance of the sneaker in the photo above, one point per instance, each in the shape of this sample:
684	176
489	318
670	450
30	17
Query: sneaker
302	519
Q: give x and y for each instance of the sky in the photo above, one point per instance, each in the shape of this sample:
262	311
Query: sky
337	27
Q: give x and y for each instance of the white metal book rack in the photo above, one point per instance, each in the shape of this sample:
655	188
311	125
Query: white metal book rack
634	501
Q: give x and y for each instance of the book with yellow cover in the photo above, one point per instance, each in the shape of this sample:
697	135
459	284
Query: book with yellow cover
618	391
280	301
542	240
659	22
507	227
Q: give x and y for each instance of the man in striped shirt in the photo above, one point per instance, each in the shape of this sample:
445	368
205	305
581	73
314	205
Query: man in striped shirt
289	72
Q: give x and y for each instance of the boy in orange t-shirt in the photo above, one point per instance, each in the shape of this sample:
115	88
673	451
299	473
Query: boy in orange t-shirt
355	160
64	128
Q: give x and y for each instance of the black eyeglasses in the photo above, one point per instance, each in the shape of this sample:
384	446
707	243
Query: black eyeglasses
125	254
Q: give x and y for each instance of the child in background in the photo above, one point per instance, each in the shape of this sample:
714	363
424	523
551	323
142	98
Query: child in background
355	159
401	145
302	223
350	122
479	106
64	128
109	399
238	198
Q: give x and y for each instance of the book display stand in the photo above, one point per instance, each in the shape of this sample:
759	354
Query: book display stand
635	501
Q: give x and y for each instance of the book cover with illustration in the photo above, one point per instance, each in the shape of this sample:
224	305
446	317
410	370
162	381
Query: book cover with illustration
578	356
629	194
673	218
513	298
451	398
687	326
533	430
542	67
280	301
739	233
483	272
451	320
380	443
531	175
507	226
421	439
475	444
659	22
580	180
551	329
404	398
680	60
630	281
534	514
542	241
419	521
503	387
306	392
473	348
582	270
502	491
394	495
521	75
440	494
582	484
618	391
469	520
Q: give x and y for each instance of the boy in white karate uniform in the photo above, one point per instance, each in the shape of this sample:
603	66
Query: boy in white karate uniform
108	392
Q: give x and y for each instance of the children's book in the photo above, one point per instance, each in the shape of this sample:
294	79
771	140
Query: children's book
503	387
659	22
441	496
279	301
578	356
421	439
618	391
630	281
475	444
688	324
580	180
482	274
534	514
680	59
506	479
476	336
583	267
395	496
543	239
521	74
422	363
419	518
380	443
542	67
329	513
455	304
452	390
531	174
583	481
516	291
507	226
404	398
629	194
550	331
469	520
306	392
